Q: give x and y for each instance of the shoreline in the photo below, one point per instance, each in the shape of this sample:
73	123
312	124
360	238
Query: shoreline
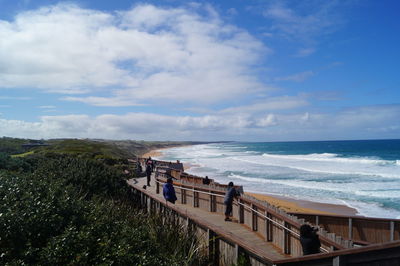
288	204
158	152
153	153
292	205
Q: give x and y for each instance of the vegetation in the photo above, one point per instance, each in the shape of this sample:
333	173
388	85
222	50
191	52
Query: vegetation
12	145
65	204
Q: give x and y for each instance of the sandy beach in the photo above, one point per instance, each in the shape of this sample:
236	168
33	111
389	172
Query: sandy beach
304	206
288	204
153	153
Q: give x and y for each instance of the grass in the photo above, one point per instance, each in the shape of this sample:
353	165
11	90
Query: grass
22	154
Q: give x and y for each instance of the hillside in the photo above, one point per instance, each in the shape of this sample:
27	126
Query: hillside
90	147
68	204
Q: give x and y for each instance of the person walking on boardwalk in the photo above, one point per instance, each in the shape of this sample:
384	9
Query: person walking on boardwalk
148	173
309	239
169	191
231	194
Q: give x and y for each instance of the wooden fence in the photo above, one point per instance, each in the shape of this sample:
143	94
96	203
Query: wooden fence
362	230
272	223
225	249
278	227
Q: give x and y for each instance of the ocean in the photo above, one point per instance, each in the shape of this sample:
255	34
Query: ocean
362	174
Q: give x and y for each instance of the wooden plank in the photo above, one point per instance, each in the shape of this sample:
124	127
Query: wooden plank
235	233
232	231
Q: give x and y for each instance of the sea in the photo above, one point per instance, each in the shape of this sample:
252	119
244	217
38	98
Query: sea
362	174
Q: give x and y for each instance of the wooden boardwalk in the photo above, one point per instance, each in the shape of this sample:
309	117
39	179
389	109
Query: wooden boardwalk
237	232
260	233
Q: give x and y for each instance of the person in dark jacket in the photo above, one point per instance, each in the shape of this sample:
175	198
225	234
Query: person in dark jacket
206	181
148	173
309	240
169	191
231	194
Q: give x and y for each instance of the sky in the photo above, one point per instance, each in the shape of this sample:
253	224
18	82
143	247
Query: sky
242	70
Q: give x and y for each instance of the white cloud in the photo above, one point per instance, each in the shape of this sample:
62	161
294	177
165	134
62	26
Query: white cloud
131	57
305	117
232	11
305	21
270	104
269	120
303	52
298	77
363	122
15	98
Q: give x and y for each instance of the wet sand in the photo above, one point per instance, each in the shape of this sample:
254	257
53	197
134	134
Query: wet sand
304	206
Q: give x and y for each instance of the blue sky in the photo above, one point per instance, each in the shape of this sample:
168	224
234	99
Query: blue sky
207	70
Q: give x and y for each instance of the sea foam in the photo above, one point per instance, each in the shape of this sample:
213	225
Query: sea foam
368	183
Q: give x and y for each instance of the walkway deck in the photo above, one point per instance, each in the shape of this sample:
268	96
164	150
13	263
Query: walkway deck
233	230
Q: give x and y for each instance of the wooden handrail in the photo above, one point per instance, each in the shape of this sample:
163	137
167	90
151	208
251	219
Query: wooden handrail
219	193
348	216
373	247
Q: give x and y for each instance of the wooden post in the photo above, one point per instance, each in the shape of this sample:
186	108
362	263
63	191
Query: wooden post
157	187
339	261
148	203
287	239
241	211
213	203
350	228
183	196
210	202
150	207
391	230
213	247
196	199
254	217
269	227
316	220
237	254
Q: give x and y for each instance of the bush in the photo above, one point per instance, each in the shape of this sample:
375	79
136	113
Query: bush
33	211
88	176
13	164
63	211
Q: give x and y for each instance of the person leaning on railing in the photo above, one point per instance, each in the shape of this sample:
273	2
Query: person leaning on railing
231	194
309	239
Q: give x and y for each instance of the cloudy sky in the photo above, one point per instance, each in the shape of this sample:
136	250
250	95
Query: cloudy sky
254	70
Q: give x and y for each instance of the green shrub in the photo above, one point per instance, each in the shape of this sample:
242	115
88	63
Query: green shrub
33	211
63	210
88	176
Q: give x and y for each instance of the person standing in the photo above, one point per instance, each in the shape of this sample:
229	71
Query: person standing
309	240
148	173
231	194
169	191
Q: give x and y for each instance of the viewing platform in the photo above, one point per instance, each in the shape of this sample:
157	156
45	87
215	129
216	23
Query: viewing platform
215	221
259	233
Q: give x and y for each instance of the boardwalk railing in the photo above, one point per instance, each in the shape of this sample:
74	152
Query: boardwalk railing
272	223
220	248
275	226
362	230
